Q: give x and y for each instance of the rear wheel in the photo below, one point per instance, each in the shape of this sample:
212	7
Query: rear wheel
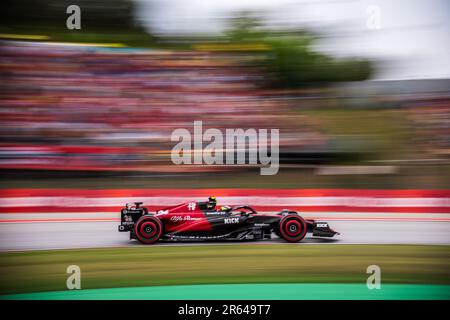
292	228
148	229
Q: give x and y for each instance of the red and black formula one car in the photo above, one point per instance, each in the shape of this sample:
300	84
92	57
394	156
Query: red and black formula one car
203	221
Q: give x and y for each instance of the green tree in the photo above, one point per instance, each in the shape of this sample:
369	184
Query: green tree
291	58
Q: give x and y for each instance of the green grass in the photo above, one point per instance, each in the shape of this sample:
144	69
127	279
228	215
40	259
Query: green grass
224	264
384	133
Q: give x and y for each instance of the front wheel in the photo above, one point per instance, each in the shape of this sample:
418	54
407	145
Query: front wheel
292	228
148	229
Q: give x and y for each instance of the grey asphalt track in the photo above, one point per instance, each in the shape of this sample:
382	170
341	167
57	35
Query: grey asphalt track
65	235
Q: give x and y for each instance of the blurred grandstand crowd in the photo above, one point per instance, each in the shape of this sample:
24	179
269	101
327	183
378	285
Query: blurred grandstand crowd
67	107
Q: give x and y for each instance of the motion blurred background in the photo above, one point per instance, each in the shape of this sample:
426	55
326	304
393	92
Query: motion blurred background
358	89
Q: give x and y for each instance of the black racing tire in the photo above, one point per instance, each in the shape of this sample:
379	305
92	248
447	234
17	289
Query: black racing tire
148	229
292	228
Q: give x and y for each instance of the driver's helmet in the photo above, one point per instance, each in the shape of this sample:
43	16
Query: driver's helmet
211	204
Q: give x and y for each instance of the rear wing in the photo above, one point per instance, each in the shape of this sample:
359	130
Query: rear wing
136	205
